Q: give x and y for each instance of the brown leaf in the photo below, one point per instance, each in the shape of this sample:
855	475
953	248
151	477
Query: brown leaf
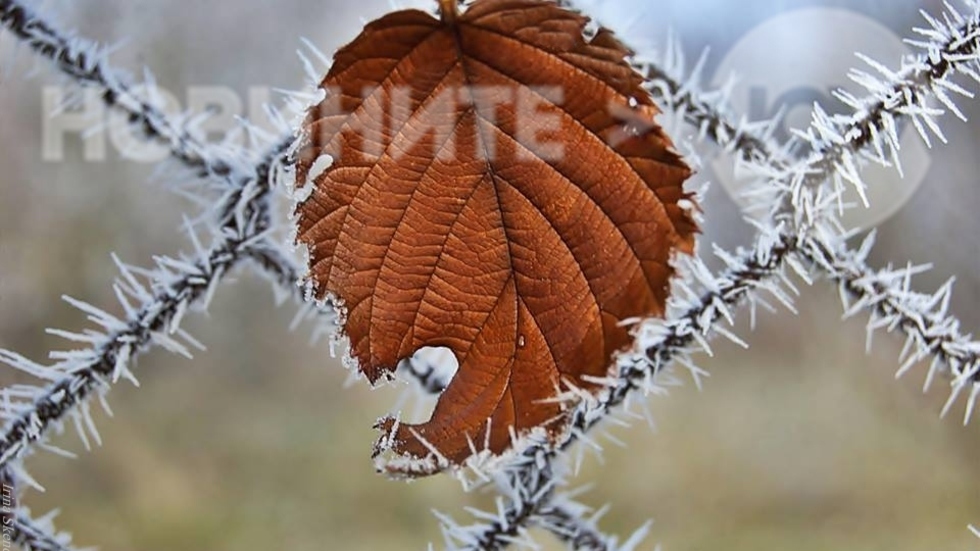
498	187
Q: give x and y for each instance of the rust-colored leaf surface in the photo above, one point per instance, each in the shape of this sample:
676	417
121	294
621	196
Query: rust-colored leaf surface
498	187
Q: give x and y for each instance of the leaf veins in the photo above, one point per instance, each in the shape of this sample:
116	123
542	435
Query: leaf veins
498	187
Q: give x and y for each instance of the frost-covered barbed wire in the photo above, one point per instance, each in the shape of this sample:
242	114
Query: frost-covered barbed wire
87	63
163	296
31	534
154	301
21	528
525	487
241	219
840	145
924	318
241	222
803	217
576	525
529	496
679	91
931	333
804	210
78	375
153	310
241	171
949	46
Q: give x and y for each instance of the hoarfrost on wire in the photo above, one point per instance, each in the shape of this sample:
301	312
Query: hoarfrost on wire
798	238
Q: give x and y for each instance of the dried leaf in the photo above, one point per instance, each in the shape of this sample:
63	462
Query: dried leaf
498	187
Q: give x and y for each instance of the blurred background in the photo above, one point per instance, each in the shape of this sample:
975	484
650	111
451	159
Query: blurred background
801	442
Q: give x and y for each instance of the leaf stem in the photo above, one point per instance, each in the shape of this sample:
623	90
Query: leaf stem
449	9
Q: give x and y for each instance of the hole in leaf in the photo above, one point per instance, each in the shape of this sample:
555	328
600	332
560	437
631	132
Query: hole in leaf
431	368
429	371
